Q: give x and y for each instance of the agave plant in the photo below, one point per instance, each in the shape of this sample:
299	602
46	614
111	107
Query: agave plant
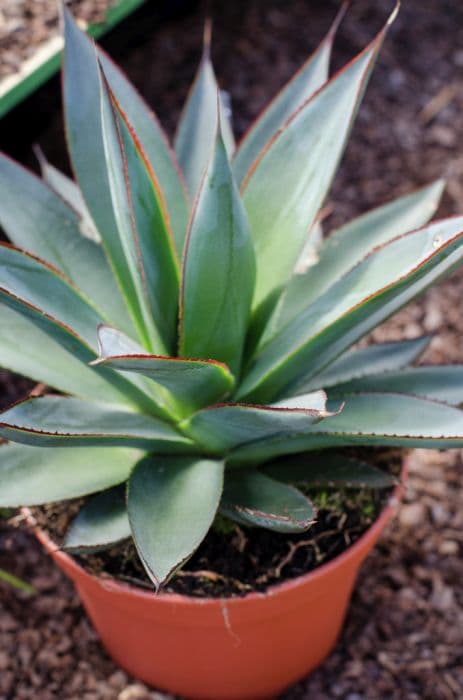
201	353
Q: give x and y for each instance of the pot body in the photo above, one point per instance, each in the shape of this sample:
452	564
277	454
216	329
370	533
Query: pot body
224	649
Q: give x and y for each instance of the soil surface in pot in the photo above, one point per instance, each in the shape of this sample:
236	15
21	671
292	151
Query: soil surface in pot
25	25
233	560
403	638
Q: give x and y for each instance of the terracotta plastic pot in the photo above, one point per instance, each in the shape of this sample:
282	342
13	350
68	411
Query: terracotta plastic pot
230	648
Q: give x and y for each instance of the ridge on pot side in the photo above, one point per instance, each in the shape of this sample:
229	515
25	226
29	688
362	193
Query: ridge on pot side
199	333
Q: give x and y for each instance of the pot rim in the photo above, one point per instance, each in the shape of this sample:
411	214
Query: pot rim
163	598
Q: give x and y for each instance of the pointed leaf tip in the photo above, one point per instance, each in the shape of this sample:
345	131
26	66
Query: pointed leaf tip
347	246
382	283
171	505
226	426
102	522
394	13
218	267
196	129
287	183
337	21
302	85
328	470
192	383
252	498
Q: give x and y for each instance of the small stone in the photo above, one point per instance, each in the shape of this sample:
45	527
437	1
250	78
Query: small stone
443	599
442	135
412	514
136	691
4	661
449	548
433	318
117	679
7	623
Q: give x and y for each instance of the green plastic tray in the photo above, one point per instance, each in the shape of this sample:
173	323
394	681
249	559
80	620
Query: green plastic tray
46	61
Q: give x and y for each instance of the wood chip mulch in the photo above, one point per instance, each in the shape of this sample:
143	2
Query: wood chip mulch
403	638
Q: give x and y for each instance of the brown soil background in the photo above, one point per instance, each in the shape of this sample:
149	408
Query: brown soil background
404	634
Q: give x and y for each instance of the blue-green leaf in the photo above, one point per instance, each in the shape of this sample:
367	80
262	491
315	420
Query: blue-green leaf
56	421
27	350
314	400
219	268
100	523
159	268
44	296
328	470
124	244
252	498
374	359
439	383
37	220
390	277
287	184
41	285
346	247
369	419
83	115
224	427
154	143
193	383
111	341
31	476
308	79
172	503
69	191
97	161
196	134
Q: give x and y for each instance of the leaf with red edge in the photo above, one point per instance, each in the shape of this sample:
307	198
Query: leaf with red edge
226	426
370	419
374	359
328	470
43	295
155	144
434	382
84	131
36	219
308	79
158	262
101	523
26	277
346	247
124	243
49	421
192	383
27	350
387	279
31	476
195	136
218	268
287	184
254	499
172	502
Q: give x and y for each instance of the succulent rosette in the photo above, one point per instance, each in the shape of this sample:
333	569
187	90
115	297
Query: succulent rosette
195	326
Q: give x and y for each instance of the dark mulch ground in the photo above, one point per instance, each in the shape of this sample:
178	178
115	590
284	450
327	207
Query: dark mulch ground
404	634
